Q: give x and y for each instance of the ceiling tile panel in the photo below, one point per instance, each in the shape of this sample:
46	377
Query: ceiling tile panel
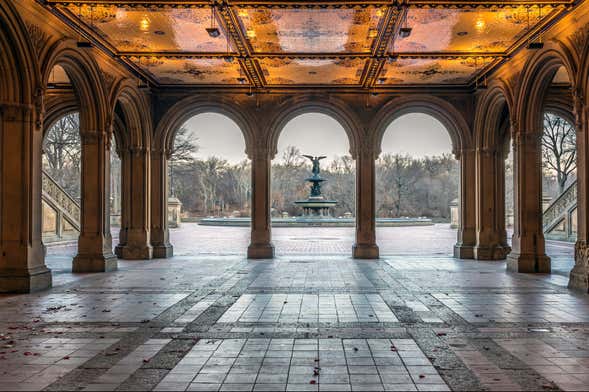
432	71
310	30
152	29
281	71
191	71
466	30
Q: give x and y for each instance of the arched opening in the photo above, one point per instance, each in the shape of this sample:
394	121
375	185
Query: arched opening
62	172
417	188
313	187
559	173
209	187
546	89
61	165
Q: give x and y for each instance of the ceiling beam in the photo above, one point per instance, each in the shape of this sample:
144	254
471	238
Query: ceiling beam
322	4
233	29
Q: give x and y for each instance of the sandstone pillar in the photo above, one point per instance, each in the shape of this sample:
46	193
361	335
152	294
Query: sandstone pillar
95	242
365	246
464	248
135	212
261	238
22	266
528	253
160	234
491	236
579	276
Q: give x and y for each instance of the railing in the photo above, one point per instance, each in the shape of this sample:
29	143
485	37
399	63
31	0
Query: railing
559	211
66	209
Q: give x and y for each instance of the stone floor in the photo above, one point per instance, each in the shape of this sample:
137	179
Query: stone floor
297	323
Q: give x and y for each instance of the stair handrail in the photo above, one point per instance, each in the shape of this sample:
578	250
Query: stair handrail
61	198
560	205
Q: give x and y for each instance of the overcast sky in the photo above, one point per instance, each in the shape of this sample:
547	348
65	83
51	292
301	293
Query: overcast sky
417	135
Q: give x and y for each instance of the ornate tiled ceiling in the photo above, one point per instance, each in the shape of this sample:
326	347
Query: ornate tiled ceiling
295	43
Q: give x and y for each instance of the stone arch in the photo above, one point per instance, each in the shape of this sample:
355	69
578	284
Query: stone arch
135	109
439	109
537	76
189	107
490	106
19	67
86	80
311	104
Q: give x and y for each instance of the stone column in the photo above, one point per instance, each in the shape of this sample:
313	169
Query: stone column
491	236
160	234
464	248
136	185
95	242
22	265
261	241
365	246
579	276
528	253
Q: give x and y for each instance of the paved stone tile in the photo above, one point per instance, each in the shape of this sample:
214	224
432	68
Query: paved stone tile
279	308
216	321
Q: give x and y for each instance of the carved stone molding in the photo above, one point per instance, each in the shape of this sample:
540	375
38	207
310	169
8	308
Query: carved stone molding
109	81
579	38
39	38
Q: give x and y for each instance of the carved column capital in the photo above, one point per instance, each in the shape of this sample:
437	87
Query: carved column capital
13	111
487	151
366	151
525	138
93	137
459	154
261	152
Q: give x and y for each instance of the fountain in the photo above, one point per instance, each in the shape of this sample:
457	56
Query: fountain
316	206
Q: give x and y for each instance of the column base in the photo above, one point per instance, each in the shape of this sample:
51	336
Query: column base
260	251
162	251
528	263
360	251
579	275
28	281
463	251
94	263
493	252
127	252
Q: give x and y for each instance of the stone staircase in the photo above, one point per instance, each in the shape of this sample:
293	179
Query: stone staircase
560	217
61	212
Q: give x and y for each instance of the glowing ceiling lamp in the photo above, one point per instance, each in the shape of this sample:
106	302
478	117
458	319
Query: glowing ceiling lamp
251	33
144	23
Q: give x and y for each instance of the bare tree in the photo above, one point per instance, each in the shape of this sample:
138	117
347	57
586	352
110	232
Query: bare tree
183	150
62	153
559	148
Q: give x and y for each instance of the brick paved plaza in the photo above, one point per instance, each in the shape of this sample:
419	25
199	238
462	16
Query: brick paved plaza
301	322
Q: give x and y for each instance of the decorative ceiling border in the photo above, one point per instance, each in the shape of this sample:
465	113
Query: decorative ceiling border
316	4
389	25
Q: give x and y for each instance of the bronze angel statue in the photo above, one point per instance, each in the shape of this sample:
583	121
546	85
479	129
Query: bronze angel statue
315	161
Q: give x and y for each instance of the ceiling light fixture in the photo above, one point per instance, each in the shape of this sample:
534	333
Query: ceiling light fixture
538	44
84	44
213	31
405	30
